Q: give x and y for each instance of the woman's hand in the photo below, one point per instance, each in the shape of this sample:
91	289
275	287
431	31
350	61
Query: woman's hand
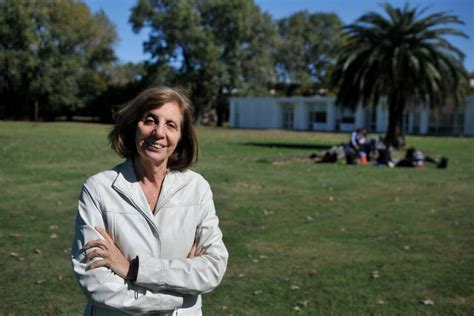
111	255
192	252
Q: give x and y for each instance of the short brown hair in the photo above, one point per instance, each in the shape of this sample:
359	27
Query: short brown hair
122	135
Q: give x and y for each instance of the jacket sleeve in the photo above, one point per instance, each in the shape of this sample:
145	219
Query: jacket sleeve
190	275
101	286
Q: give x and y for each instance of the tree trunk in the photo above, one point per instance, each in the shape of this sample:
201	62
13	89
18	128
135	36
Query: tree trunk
36	112
221	108
394	135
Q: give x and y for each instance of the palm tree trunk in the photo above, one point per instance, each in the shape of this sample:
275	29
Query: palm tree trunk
396	105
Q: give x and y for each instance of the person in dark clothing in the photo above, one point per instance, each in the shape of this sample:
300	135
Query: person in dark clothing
414	158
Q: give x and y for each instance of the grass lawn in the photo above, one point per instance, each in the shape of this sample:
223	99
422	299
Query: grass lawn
326	239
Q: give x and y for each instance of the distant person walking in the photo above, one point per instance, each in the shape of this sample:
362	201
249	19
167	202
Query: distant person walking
147	238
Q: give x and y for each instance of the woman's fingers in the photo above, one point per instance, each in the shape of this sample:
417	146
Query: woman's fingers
192	252
95	243
98	264
203	251
95	254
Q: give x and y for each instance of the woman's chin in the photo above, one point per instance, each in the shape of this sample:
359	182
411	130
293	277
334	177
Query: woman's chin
153	156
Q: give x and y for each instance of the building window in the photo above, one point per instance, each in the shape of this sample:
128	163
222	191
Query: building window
317	120
348	120
287	115
318	117
446	121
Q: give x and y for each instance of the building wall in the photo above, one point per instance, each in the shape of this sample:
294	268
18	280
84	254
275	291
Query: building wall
299	113
469	116
254	113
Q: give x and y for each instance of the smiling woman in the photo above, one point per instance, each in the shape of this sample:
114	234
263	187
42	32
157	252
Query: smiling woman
147	235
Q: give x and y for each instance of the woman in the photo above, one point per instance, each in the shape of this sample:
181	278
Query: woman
147	237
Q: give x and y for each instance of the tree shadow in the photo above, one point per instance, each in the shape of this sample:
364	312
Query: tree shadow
289	145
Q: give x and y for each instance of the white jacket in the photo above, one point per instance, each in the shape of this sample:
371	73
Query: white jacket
167	281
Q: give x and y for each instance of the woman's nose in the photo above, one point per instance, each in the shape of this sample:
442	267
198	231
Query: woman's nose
158	130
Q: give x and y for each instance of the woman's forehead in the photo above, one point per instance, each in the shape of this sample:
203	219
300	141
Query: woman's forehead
169	110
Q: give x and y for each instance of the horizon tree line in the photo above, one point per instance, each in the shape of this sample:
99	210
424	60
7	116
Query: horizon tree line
57	58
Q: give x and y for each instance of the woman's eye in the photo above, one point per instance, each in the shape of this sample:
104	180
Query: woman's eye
171	125
149	121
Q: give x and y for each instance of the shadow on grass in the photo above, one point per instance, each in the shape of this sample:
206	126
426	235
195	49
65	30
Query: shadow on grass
289	145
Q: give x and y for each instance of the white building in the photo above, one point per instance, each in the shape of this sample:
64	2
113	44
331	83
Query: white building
321	114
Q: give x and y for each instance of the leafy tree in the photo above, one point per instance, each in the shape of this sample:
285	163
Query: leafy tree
123	81
403	56
214	48
306	49
51	54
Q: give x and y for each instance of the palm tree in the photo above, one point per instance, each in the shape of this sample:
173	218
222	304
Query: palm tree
402	56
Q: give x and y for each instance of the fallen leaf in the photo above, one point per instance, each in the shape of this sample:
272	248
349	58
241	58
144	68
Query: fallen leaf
342	229
303	303
266	212
380	302
263	257
241	275
406	247
331	198
40	281
427	302
255	260
224	307
14	254
296	308
21	259
53	227
294	287
309	218
375	275
257	292
38	251
15	235
53	236
60	277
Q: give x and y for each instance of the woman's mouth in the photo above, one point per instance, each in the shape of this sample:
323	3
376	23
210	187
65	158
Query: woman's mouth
154	145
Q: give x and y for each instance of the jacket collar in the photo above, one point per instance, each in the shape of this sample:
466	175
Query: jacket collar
127	184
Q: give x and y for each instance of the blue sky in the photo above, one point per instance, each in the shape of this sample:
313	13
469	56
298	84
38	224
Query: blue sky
130	49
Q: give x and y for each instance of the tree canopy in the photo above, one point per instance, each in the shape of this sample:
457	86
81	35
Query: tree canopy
402	55
214	48
307	48
51	54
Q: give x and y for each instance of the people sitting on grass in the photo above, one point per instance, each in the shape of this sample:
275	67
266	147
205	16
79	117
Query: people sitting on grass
361	151
358	147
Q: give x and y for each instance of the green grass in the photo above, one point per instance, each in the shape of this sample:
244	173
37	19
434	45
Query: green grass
299	234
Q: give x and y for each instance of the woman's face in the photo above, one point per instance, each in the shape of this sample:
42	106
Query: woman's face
158	133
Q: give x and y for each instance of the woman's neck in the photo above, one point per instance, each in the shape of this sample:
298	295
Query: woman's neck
148	172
